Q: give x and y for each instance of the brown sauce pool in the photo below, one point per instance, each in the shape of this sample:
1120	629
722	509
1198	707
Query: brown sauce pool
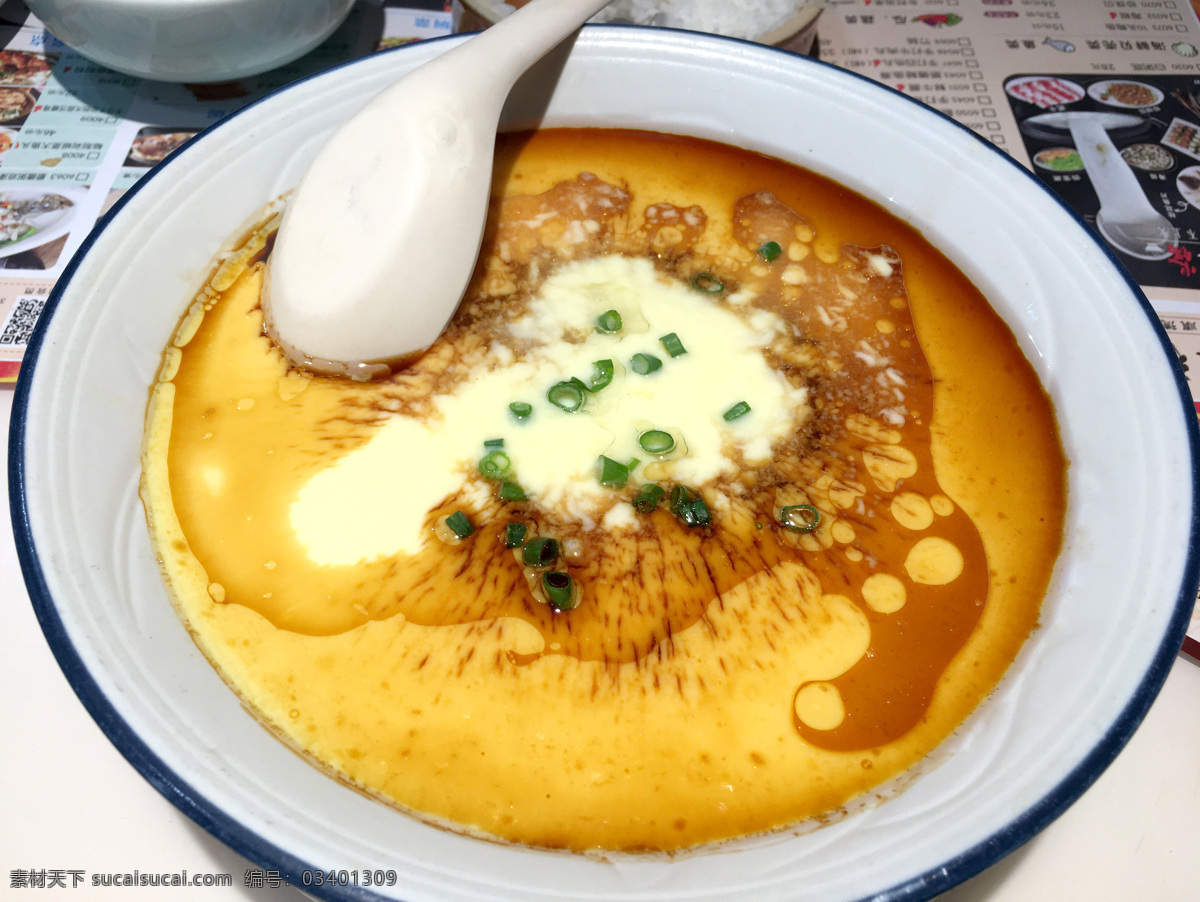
731	678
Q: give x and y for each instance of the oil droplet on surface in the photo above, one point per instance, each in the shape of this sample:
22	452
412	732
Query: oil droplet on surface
934	561
912	511
888	464
884	593
942	506
842	532
819	706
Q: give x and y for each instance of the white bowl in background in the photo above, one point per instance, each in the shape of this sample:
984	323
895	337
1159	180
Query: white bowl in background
1111	625
191	40
797	32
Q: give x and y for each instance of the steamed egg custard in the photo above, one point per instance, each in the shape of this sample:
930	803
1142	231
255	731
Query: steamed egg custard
722	501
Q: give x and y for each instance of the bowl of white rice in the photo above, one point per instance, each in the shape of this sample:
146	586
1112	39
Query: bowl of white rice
790	24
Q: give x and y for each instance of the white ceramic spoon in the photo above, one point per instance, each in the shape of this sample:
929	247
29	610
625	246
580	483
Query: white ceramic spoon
380	236
1126	218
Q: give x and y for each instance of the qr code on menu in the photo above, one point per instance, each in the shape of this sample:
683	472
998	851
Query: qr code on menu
21	320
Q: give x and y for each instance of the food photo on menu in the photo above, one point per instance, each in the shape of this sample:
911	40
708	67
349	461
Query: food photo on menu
1124	152
23	76
23	67
16	104
35	222
152	145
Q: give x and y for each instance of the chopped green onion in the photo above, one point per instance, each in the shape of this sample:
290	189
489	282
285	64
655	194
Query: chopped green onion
708	283
459	524
680	494
688	506
514	535
540	552
566	396
800	517
655	441
612	472
674	346
608	321
632	465
696	513
644	364
520	409
494	443
738	410
603	375
770	250
559	587
511	491
648	497
495	465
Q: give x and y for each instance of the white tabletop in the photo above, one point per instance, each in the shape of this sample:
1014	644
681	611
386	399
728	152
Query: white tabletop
70	803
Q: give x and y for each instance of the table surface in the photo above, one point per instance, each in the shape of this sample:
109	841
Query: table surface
70	802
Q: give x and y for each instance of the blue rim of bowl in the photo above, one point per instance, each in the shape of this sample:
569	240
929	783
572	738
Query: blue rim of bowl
267	855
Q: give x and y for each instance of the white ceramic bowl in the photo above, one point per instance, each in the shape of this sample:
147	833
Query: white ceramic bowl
192	40
1111	625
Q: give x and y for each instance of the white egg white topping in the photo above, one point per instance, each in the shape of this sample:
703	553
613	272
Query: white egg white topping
374	501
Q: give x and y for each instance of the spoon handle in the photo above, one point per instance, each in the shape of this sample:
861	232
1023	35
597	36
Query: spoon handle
1114	182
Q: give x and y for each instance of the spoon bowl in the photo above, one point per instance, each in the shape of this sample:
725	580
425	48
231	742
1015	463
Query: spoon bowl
380	237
